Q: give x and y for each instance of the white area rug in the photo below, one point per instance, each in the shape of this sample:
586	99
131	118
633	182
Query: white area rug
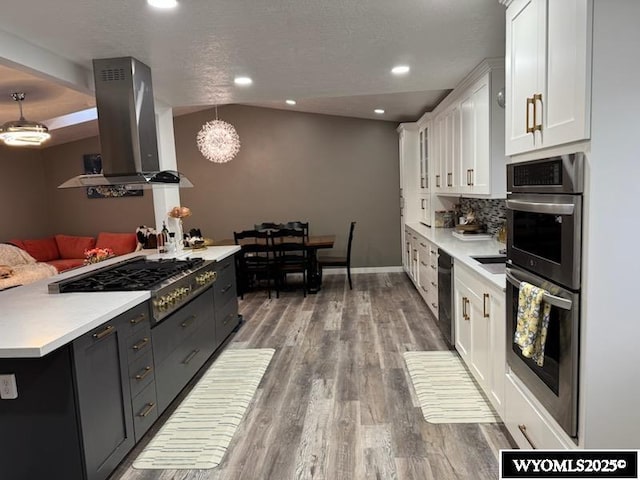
197	434
445	389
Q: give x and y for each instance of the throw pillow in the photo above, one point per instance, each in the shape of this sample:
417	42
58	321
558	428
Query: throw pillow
71	246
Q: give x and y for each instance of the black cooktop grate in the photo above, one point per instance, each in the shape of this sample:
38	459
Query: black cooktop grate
138	275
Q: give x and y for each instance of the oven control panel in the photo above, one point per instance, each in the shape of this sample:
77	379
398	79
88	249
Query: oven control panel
178	293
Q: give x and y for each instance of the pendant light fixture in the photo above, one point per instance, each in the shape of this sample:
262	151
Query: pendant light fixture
218	141
23	132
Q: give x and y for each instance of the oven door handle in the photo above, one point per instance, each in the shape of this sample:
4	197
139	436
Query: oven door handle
542	207
554	300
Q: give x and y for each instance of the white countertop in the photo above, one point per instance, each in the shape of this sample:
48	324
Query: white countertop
463	250
34	322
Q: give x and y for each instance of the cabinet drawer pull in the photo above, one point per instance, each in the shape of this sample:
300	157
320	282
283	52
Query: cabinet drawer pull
422	203
138	319
434	305
147	410
529	103
434	284
471	175
433	252
422	287
523	429
485	297
423	245
422	263
142	343
108	330
449	179
190	356
537	126
226	266
465	315
143	373
188	321
226	289
228	318
438	181
432	267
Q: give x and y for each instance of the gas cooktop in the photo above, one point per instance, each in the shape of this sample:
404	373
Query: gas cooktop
137	273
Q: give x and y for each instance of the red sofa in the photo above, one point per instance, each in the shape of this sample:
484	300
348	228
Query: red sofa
67	251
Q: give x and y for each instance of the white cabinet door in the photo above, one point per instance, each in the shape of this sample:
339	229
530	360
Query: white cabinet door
548	71
462	318
474	172
480	347
567	105
524	59
439	153
498	335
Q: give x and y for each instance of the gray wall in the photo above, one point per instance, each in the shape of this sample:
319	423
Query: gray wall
22	194
292	166
297	166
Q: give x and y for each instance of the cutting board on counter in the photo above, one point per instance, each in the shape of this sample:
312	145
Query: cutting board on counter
470	237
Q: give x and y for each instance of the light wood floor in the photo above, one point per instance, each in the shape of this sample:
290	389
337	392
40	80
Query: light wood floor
336	401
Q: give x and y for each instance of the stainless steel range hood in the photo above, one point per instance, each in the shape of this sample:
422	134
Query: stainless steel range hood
127	126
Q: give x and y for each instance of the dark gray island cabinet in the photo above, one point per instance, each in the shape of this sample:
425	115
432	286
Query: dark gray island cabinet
81	408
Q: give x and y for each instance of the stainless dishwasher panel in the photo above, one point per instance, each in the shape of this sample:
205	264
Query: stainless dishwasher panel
445	296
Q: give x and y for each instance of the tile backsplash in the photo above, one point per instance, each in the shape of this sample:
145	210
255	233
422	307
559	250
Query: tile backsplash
491	212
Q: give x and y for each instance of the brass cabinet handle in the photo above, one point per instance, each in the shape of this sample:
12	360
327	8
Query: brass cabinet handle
226	289
423	245
432	267
422	287
530	102
144	372
108	330
467	176
434	284
421	182
537	98
141	344
449	179
523	428
188	321
485	297
415	255
434	305
190	356
422	203
438	181
148	409
432	252
422	263
471	175
138	319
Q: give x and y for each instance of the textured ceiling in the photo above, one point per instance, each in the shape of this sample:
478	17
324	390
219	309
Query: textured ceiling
319	53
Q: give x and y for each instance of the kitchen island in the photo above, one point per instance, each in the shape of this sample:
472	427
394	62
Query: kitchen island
93	371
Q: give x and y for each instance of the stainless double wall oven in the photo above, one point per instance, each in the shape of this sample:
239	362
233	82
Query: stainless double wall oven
544	231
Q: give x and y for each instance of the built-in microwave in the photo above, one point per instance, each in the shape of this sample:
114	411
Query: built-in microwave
544	217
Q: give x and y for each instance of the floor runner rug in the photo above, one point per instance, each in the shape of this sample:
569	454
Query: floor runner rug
197	434
445	389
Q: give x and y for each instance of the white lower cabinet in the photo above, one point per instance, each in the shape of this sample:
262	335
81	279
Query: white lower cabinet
423	269
528	423
480	331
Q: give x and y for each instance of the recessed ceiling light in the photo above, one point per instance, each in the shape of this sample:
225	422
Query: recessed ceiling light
242	81
290	102
379	111
400	69
163	3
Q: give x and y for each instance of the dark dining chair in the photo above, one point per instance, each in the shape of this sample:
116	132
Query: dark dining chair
334	262
268	226
298	225
254	262
290	256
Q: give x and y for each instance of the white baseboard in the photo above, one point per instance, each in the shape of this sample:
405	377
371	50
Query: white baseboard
335	271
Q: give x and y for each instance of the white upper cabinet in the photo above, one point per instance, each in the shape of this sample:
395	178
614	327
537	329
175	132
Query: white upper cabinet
548	72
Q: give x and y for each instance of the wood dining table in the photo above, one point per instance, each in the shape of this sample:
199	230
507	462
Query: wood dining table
313	244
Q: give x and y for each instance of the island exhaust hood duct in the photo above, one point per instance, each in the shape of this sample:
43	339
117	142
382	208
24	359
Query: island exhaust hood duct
127	126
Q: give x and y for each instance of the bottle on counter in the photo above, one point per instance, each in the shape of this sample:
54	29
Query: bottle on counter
171	243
